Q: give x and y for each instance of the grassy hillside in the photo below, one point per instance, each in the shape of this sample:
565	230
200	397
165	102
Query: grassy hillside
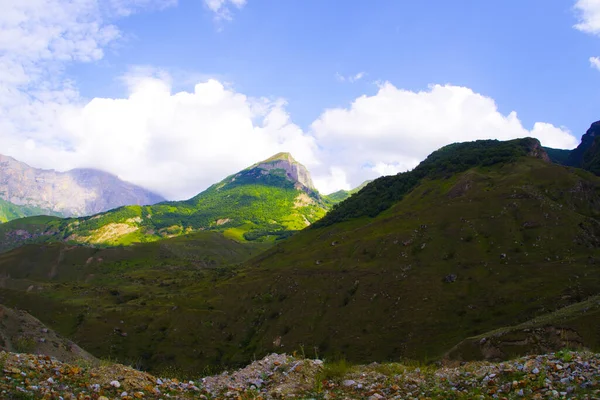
461	254
261	203
341	195
10	211
383	192
125	303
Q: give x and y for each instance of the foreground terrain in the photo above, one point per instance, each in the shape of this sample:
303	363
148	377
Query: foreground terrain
559	375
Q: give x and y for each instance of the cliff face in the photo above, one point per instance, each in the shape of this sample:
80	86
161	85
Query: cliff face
295	171
577	156
77	192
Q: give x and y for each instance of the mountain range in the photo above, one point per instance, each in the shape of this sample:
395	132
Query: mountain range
483	240
30	191
265	202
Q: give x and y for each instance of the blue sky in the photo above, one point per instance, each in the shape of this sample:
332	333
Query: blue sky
348	87
524	54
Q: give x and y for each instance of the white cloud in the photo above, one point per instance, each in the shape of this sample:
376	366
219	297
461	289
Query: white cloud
222	8
394	129
589	16
334	181
595	62
350	78
38	38
180	143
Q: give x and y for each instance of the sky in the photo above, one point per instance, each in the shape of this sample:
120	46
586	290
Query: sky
175	95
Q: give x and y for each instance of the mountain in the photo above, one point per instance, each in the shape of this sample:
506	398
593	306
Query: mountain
341	195
586	155
266	201
77	192
481	237
577	157
383	192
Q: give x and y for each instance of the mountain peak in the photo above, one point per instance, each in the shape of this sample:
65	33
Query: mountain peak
576	157
282	156
294	171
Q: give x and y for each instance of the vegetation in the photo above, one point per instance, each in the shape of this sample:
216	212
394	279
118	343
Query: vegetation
10	211
460	255
558	156
341	195
383	192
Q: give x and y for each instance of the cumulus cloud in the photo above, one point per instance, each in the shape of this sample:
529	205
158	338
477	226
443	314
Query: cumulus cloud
38	39
589	16
394	129
222	8
179	143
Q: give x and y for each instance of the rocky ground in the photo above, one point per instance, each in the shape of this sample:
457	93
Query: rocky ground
559	375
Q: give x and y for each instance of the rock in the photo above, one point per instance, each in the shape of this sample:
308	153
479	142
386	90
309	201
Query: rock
72	193
115	384
535	371
450	278
348	382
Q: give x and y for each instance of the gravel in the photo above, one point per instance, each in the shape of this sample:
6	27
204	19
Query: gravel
563	375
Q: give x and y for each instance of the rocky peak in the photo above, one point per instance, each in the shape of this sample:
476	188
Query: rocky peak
294	171
536	150
576	157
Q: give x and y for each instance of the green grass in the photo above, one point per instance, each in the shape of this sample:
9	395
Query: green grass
24	344
10	211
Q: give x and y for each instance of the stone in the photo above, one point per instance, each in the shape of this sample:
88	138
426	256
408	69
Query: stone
450	278
115	384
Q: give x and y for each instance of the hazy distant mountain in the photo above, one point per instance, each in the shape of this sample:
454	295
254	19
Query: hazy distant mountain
77	192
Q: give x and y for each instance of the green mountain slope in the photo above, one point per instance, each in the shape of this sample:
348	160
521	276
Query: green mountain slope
10	211
267	201
341	195
383	192
558	156
467	250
